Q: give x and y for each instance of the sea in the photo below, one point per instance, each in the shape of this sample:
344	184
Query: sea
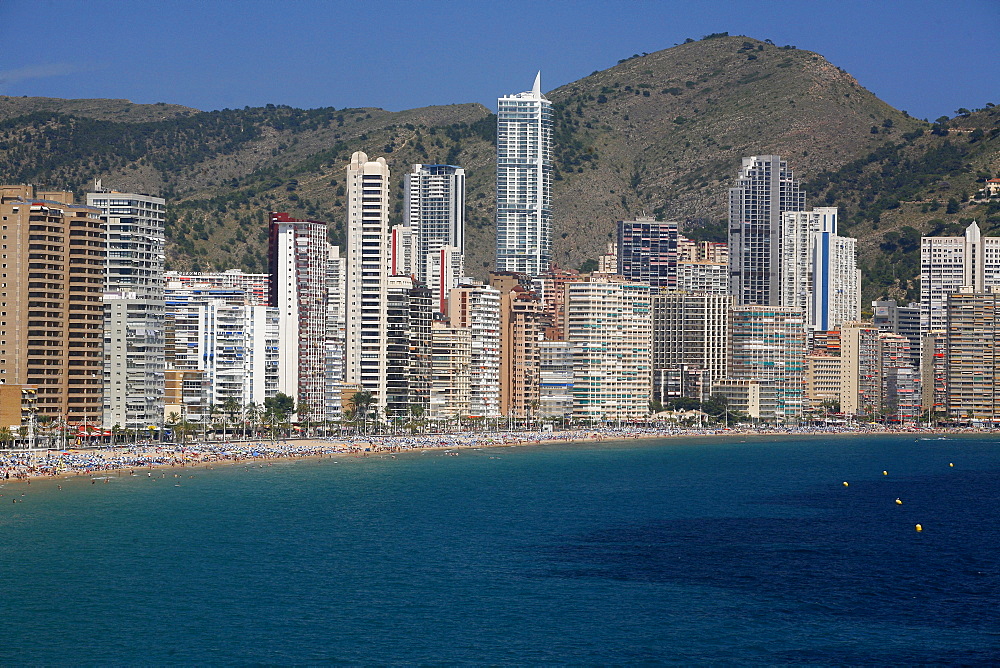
683	551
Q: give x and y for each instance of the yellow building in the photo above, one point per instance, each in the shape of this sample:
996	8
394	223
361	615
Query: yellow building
823	381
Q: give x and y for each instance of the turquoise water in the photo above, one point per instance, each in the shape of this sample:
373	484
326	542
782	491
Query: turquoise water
681	551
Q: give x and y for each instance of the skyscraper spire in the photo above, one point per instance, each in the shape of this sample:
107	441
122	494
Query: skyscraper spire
537	87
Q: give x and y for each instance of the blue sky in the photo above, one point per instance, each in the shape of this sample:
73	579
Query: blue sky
928	58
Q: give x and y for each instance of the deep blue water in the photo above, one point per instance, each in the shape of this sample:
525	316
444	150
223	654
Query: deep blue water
698	551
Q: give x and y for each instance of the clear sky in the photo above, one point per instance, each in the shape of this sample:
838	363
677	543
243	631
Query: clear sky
926	57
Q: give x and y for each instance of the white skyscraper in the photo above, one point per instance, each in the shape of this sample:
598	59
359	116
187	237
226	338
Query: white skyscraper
836	282
950	263
435	210
368	270
477	308
336	277
235	346
819	274
524	182
133	314
443	268
298	258
766	188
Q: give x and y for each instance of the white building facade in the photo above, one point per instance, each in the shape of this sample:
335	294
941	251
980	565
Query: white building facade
524	182
236	347
134	308
434	208
948	264
298	257
610	326
765	188
368	273
477	308
819	273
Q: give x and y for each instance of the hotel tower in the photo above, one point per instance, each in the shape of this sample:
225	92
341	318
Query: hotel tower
524	182
766	187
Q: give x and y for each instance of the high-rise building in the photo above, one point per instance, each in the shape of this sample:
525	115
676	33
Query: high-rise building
950	263
703	276
551	287
823	382
819	272
336	278
689	250
443	269
51	313
690	333
972	348
899	386
555	383
766	187
252	286
450	378
434	210
298	256
610	326
409	314
477	308
768	345
234	346
860	369
402	252
521	324
133	315
890	317
647	251
368	272
524	182
934	373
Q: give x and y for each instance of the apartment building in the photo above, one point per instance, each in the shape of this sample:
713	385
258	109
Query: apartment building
52	255
610	326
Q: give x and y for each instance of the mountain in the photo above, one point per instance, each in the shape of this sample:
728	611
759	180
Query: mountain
658	134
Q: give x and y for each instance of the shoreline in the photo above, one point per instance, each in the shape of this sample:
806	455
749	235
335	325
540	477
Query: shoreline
25	466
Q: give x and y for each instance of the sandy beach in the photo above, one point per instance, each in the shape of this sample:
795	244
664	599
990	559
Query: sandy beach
23	466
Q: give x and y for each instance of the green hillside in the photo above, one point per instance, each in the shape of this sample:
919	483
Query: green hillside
659	133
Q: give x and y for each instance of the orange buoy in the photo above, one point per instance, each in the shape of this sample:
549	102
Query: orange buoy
885	473
919	528
845	484
898	502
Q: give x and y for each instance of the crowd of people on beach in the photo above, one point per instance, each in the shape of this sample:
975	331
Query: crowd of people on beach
24	464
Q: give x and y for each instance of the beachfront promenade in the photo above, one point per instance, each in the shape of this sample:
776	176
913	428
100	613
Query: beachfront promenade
25	465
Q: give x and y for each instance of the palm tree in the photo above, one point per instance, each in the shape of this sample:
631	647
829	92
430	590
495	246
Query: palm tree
209	420
416	416
360	403
173	419
231	407
251	414
347	416
302	411
533	413
46	425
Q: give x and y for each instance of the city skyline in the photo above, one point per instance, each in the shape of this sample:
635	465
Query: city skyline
938	64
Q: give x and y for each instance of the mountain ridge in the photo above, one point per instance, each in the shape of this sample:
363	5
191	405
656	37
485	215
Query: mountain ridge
660	134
